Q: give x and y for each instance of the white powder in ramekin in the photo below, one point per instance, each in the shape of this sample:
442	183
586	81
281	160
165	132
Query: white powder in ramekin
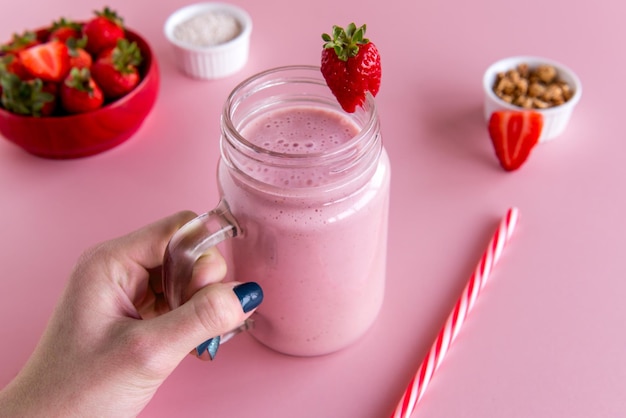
208	29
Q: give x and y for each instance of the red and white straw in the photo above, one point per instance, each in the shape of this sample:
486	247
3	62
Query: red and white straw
431	362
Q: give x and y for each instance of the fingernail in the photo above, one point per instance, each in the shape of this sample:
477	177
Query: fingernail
210	346
250	295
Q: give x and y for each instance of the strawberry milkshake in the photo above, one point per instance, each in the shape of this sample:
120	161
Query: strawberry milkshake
305	194
310	195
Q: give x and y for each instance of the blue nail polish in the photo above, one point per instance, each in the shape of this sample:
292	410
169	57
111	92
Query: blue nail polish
250	295
210	346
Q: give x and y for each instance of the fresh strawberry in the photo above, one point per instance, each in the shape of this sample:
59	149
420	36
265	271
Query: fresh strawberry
350	66
514	134
49	61
20	42
11	63
28	98
50	106
115	70
79	57
103	31
64	29
79	92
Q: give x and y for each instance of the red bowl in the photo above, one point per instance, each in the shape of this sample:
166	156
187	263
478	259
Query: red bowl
80	135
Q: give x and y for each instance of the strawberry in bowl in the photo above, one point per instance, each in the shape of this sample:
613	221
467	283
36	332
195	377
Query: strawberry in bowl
116	69
103	31
80	93
51	101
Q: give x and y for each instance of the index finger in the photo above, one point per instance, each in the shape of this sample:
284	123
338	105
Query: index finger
146	245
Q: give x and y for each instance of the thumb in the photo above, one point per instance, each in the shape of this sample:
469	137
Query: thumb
212	311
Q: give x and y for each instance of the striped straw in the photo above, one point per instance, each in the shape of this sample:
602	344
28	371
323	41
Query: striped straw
431	362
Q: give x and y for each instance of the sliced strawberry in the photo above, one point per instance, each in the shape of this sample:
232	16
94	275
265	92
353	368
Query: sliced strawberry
514	134
103	31
350	65
49	61
115	70
79	93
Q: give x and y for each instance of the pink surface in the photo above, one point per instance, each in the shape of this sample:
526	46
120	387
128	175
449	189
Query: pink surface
546	337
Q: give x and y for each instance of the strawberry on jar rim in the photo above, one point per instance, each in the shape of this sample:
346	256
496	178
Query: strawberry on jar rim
103	31
350	65
115	70
79	92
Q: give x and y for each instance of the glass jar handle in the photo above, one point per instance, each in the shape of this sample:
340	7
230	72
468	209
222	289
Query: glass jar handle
187	245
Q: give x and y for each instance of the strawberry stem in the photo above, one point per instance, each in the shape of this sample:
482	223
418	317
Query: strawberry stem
126	56
79	79
74	44
346	42
65	23
111	15
19	41
23	97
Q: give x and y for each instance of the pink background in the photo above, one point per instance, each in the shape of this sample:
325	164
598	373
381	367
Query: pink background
547	336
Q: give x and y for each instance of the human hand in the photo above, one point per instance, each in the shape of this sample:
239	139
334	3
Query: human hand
112	340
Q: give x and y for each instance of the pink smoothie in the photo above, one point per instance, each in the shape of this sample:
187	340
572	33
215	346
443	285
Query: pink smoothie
317	250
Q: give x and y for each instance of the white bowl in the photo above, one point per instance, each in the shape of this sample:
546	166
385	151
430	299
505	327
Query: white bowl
210	61
555	118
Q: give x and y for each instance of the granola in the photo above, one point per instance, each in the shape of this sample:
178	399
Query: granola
532	88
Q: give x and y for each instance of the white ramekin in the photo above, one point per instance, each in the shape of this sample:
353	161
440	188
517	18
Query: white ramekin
210	62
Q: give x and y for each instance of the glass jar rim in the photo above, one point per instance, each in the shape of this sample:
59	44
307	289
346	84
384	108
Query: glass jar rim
309	74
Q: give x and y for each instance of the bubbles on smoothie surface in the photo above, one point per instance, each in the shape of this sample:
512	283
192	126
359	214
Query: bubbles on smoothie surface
297	130
300	130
